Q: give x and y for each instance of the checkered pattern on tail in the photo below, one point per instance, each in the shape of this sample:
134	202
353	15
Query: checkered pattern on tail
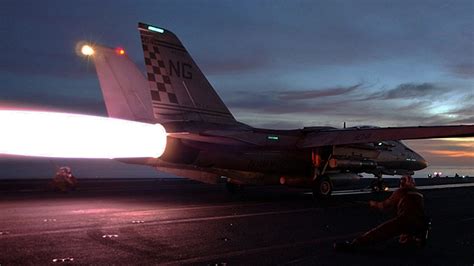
158	77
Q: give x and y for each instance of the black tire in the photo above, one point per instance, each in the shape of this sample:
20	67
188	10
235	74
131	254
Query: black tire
322	188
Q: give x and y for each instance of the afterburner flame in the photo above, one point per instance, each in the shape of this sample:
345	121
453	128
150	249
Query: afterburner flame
64	135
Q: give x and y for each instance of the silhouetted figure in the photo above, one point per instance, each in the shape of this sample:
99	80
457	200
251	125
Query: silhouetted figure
410	223
64	180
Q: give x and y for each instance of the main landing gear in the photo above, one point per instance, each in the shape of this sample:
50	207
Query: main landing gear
322	187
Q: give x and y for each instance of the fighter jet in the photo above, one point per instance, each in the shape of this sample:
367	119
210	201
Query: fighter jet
206	143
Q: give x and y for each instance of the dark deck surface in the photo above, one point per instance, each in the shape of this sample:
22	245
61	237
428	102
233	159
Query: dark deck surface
147	222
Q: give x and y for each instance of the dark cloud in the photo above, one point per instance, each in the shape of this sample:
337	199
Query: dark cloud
405	104
468	120
312	94
271	103
464	70
288	34
411	91
252	100
289	101
464	108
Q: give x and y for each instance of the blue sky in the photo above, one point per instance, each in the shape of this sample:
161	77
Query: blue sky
278	64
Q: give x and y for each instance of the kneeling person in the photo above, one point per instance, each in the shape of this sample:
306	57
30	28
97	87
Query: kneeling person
409	221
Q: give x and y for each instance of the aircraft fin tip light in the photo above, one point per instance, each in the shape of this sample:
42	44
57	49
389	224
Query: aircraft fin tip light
155	29
87	50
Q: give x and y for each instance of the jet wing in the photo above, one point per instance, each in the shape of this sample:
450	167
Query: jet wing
364	135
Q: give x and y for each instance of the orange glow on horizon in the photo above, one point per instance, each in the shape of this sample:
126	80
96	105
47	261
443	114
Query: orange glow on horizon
456	154
447	151
468	139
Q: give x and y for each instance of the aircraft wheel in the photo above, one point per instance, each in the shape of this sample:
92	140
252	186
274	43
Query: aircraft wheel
322	188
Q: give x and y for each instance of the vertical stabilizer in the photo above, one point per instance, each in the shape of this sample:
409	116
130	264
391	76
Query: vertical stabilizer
123	85
178	88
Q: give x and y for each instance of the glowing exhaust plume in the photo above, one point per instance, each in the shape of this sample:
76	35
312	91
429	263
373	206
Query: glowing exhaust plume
48	134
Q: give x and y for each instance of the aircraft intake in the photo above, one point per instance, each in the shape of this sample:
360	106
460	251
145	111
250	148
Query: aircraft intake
351	164
64	135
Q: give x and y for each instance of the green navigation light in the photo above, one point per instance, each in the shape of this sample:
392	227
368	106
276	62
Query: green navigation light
272	137
156	29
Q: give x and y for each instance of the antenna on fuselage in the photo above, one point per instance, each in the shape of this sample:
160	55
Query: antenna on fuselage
344	124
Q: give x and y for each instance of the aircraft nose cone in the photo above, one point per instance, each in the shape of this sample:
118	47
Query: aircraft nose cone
420	161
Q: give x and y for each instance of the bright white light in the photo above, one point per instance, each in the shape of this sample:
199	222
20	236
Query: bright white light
87	50
152	28
48	134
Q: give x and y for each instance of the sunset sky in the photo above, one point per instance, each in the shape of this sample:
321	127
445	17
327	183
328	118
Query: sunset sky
277	64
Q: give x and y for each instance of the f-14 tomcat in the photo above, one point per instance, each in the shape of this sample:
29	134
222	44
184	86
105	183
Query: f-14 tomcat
206	142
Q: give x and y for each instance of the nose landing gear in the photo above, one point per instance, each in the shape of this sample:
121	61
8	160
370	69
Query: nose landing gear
378	185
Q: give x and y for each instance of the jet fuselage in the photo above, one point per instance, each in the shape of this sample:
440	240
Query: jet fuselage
273	156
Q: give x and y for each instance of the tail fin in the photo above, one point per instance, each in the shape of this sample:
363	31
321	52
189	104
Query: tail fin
178	88
123	85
